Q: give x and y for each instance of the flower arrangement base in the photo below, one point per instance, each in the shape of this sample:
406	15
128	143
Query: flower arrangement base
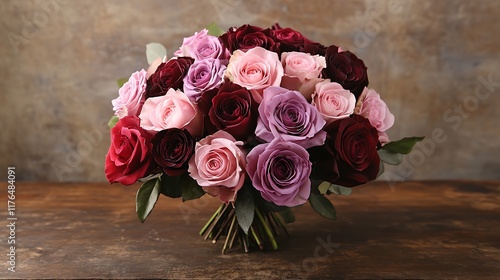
263	234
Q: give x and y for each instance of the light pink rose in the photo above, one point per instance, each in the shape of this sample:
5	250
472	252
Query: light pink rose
372	107
333	101
201	46
130	95
172	110
218	165
302	72
256	70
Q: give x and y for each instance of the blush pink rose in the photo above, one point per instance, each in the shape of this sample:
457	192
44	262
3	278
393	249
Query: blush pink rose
372	107
219	165
172	110
333	101
302	72
255	70
130	95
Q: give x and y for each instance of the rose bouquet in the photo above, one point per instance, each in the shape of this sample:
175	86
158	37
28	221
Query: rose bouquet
263	119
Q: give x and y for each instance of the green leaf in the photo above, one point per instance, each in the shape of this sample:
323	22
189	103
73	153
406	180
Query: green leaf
323	187
214	29
390	158
322	206
146	198
287	215
121	81
190	189
171	186
244	207
154	51
381	169
402	146
113	121
340	190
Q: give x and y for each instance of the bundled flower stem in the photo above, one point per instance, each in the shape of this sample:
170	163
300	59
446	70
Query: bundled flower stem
263	232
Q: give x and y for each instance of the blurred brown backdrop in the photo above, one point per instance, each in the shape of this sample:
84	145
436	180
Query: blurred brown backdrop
434	62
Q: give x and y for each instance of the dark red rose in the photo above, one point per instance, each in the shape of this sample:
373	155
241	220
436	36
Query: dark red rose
292	40
129	155
168	75
349	157
346	69
247	37
233	110
172	149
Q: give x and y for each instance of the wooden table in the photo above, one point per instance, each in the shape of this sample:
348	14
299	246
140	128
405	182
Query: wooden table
417	230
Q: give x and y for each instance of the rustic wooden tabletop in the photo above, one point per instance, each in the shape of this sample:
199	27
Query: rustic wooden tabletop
417	230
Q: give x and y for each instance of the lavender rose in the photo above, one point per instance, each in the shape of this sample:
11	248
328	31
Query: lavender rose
286	115
131	95
201	46
280	171
203	75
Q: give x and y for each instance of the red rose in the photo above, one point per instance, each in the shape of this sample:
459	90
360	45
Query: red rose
349	157
129	156
168	75
292	40
346	69
248	37
233	110
172	149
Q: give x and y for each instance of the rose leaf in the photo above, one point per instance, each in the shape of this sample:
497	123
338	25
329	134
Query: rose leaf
244	207
322	206
287	215
390	157
171	186
113	121
121	82
146	198
190	189
339	190
155	50
214	29
402	146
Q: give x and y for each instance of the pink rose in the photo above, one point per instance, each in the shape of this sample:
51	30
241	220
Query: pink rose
128	103
372	107
219	165
302	71
171	110
333	101
255	70
201	46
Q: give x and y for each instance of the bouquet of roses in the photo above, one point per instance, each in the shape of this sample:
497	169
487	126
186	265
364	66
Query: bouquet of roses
263	119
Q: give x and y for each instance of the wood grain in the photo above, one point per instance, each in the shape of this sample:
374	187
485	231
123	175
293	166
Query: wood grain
417	230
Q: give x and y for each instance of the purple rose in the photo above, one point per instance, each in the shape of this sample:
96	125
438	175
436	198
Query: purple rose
286	115
280	171
201	46
203	75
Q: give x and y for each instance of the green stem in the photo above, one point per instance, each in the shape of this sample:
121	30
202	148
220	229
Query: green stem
267	229
254	234
202	231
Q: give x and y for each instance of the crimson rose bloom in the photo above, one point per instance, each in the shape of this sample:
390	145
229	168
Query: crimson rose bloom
129	156
346	69
292	40
248	37
168	75
349	157
233	110
172	149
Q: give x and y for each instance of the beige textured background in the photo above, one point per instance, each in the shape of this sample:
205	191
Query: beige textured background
59	62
